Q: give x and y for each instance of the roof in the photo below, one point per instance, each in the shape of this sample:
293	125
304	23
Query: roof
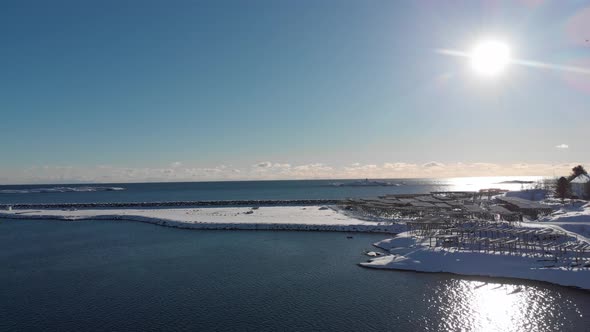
523	203
442	205
500	210
428	199
421	204
472	208
431	220
582	178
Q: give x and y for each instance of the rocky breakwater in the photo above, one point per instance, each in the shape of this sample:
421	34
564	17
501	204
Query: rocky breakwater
228	203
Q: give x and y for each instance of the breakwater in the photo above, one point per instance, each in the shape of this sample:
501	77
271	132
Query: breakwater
221	203
389	228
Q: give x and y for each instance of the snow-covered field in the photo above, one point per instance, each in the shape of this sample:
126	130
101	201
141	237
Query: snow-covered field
320	218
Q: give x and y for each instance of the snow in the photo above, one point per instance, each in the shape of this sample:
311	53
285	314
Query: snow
582	178
530	194
318	218
417	256
573	217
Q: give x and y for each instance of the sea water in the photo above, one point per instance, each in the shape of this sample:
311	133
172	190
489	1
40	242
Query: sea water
244	190
118	275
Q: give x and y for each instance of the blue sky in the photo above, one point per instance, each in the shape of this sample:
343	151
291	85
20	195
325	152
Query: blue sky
99	90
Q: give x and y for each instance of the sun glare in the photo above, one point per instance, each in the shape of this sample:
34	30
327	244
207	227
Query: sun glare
490	58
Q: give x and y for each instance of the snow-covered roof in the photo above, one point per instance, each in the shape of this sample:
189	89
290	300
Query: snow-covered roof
582	178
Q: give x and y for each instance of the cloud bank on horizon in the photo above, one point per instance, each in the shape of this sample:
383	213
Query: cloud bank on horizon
266	170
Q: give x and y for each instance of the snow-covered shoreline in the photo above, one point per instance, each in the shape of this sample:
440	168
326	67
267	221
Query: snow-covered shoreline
406	252
409	254
293	218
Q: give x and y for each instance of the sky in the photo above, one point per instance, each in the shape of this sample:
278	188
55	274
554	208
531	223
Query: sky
118	91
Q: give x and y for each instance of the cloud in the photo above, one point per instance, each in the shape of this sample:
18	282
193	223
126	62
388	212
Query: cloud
562	146
313	167
264	164
488	166
281	165
433	164
398	166
268	170
268	164
176	164
520	166
359	167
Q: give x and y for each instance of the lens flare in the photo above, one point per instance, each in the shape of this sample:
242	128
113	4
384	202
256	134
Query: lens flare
490	58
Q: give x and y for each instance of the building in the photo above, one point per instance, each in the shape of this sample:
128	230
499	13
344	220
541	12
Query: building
578	185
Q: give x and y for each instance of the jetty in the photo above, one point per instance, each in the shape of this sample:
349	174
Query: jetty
220	203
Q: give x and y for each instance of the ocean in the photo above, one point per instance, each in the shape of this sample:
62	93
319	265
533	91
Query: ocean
243	190
124	276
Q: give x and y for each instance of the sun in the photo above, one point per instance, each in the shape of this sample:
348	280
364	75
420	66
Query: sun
490	58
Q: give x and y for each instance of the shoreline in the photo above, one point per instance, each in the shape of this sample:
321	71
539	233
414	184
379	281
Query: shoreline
482	278
405	252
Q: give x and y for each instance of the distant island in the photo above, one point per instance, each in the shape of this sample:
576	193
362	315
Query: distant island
516	182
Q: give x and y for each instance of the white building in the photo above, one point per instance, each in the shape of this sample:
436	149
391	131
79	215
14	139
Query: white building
579	184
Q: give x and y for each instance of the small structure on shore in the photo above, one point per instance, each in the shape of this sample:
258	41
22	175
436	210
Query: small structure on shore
579	185
500	238
524	206
426	225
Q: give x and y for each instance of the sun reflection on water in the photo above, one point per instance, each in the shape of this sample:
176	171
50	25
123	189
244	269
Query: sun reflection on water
465	305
